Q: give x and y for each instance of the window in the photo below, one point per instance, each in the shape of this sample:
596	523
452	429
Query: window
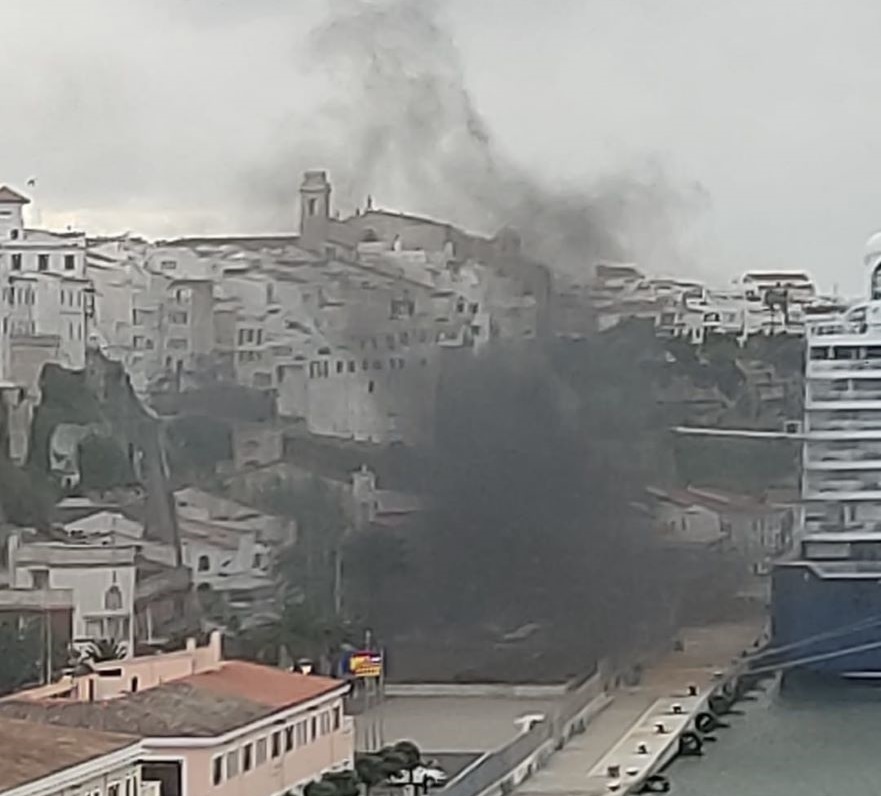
217	770
340	365
177	317
129	790
352	366
204	564
113	599
247	757
313	205
390	341
16	262
257	561
168	265
301	733
405	338
232	764
69	262
337	717
289	738
370	386
137	317
42	262
13	233
313	730
365	365
117	627
276	744
324	723
177	344
261	752
113	790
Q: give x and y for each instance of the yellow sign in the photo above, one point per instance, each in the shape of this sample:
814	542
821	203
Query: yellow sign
365	664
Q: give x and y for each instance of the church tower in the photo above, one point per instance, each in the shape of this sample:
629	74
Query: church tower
314	210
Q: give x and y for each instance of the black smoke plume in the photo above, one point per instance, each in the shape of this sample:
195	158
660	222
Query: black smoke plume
399	123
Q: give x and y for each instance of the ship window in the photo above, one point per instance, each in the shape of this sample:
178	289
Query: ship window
819	352
825	551
846	352
873	352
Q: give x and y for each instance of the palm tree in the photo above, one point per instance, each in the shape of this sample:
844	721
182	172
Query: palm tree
105	649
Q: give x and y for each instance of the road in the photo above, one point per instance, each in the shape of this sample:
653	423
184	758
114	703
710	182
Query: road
447	724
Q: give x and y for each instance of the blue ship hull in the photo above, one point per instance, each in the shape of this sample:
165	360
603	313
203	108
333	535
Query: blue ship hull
826	623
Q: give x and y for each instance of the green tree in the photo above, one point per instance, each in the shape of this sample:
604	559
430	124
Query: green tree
103	464
369	770
411	754
372	560
320	788
309	568
392	761
26	495
65	398
22	652
345	782
196	444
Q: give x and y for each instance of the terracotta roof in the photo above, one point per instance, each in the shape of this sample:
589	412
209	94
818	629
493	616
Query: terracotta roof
32	751
171	710
7	195
264	685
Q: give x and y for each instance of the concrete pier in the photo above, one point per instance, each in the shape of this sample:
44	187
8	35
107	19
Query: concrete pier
615	736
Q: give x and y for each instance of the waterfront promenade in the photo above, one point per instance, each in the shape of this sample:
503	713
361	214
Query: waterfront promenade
579	769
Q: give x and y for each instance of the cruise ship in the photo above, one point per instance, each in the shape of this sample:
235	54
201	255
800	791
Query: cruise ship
826	598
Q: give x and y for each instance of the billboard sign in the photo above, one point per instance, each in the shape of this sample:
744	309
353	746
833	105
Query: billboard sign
365	663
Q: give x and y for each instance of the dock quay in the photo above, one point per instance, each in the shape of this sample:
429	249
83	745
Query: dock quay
639	732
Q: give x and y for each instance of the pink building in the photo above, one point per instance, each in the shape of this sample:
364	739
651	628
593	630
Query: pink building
209	727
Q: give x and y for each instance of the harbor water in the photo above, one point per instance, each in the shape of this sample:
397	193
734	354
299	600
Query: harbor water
812	743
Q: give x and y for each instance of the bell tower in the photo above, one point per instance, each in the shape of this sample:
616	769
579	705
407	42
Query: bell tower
314	210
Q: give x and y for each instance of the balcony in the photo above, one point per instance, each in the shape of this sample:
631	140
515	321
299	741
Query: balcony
843	368
868	399
844	463
866	487
843	495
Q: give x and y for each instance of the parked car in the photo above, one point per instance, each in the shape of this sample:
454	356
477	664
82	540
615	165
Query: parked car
421	776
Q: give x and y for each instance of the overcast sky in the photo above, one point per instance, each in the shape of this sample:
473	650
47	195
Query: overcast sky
185	116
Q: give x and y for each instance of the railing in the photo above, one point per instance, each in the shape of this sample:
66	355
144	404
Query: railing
826	365
846	425
496	767
844	395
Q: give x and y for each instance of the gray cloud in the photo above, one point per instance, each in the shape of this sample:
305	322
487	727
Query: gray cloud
148	114
399	122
